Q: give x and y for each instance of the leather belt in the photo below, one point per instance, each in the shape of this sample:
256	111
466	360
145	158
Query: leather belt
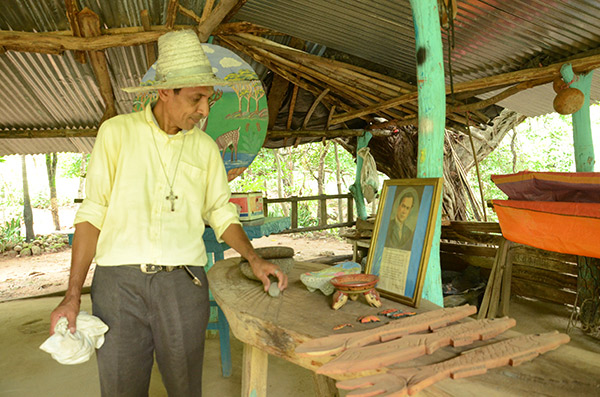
151	269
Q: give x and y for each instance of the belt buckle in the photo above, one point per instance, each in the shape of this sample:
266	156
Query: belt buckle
149	268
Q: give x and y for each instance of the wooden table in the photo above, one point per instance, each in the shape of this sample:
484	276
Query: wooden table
275	326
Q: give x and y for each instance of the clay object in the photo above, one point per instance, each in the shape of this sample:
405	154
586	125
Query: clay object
410	381
286	265
558	84
321	280
275	252
337	343
413	346
568	101
352	285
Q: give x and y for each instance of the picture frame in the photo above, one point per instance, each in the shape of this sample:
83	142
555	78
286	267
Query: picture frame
402	237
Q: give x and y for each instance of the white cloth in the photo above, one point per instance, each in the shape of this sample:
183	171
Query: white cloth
76	348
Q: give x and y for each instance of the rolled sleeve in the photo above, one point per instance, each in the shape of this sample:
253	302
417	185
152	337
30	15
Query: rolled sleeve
221	218
91	212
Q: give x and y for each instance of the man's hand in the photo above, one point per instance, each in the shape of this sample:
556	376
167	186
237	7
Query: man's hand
263	269
69	308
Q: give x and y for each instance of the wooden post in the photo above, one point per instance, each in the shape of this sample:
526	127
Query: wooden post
150	47
588	268
89	22
432	116
254	371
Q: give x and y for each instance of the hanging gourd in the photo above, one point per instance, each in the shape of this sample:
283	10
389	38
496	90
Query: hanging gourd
568	100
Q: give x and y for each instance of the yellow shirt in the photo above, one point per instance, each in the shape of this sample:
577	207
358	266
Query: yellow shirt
126	193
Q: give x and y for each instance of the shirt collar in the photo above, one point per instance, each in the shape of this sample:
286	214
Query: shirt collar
151	119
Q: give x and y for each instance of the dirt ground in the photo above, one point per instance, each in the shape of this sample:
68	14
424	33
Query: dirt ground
48	273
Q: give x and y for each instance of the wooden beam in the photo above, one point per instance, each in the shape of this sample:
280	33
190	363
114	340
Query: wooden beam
90	27
189	13
91	132
234	10
49	43
548	72
72	11
208	6
279	87
150	47
232	28
313	107
49	133
215	18
172	9
341	133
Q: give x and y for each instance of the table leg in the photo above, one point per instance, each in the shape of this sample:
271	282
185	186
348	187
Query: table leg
325	386
254	372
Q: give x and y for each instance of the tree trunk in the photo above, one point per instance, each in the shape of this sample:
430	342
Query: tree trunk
82	168
27	212
51	160
338	178
322	208
280	180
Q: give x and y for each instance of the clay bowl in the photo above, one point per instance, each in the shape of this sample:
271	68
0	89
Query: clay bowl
355	282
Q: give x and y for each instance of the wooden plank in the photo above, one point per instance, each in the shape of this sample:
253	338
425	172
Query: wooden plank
539	291
462	261
470	237
468	249
484	227
540	262
498	277
546	277
255	363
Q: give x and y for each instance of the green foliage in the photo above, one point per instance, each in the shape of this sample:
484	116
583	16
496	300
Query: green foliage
299	172
543	143
10	233
69	164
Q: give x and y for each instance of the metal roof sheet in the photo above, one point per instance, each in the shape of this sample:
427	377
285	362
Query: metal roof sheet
491	37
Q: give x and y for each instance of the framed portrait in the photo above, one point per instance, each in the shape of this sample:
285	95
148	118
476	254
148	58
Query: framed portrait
402	237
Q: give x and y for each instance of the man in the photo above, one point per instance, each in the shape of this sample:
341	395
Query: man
154	179
399	235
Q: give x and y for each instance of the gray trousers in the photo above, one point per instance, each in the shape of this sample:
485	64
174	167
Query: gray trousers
163	315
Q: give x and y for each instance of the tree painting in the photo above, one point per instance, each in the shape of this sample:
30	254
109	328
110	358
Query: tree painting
257	92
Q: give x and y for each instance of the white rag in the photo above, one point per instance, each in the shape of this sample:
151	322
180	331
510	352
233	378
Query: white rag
76	348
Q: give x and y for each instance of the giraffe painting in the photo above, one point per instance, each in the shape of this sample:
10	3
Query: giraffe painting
230	138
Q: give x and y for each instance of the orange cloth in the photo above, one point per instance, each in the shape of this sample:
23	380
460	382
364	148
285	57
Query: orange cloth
570	228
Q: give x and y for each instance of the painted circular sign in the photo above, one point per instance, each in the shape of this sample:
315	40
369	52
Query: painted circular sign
238	116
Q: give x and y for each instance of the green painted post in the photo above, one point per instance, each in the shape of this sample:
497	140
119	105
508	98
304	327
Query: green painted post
582	127
432	118
588	268
355	188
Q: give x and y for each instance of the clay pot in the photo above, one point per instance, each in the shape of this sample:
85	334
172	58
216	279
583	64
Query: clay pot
558	84
568	101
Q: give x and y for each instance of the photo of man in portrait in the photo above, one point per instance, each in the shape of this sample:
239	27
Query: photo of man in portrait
400	234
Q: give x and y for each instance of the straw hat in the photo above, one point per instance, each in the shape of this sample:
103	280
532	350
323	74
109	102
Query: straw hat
181	63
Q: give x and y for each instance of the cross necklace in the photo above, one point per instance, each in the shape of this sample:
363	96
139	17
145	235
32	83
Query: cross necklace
171	197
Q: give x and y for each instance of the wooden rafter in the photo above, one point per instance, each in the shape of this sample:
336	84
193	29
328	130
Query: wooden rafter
150	47
72	11
215	18
90	27
92	132
172	9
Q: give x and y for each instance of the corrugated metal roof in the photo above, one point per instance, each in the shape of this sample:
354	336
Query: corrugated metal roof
491	37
